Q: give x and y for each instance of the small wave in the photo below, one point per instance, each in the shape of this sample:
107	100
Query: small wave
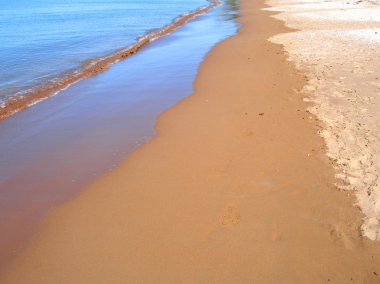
29	97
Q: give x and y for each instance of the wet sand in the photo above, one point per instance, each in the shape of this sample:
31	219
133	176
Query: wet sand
235	188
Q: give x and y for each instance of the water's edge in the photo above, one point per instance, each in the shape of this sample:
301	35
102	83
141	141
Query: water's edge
93	67
38	167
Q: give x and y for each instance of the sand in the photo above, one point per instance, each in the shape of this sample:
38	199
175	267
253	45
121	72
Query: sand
337	44
235	188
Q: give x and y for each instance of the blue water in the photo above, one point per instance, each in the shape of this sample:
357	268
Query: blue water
40	39
50	151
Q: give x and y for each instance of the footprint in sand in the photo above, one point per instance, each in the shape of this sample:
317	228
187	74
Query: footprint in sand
248	133
275	236
340	235
231	216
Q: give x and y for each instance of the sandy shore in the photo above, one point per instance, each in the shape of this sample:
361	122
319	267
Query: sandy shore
336	45
236	188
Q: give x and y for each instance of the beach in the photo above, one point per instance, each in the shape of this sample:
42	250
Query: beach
238	186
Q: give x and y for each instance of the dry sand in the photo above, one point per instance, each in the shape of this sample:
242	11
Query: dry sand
236	188
338	46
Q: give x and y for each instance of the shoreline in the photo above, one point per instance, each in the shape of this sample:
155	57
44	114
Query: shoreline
94	67
234	188
103	119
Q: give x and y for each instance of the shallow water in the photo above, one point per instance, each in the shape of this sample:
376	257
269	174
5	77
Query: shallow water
40	39
50	151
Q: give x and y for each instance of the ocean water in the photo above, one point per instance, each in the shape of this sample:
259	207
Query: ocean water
41	39
50	151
